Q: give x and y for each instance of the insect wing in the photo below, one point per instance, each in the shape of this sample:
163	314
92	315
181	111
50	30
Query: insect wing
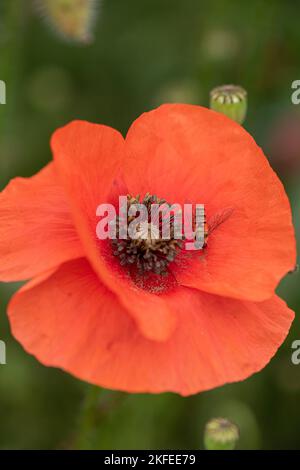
219	218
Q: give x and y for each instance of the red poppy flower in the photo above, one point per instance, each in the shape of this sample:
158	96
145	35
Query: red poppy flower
214	318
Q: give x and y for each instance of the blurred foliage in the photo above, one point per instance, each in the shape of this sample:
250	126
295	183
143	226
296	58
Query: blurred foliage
145	53
71	19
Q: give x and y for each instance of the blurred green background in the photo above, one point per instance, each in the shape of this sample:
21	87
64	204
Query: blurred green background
145	53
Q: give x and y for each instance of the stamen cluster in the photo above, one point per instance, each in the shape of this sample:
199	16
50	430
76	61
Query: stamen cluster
147	253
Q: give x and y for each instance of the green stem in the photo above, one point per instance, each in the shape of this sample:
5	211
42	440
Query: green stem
97	408
88	419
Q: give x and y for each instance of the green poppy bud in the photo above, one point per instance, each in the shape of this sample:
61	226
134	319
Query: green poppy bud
220	434
230	100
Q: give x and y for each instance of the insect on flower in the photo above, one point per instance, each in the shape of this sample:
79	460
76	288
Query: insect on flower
215	221
142	315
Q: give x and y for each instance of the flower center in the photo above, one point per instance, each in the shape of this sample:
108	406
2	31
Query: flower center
146	247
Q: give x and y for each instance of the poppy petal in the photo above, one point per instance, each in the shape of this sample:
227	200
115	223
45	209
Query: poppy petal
189	154
88	157
72	321
36	229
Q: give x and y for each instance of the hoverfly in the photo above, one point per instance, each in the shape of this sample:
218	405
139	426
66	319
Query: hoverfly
210	225
215	221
